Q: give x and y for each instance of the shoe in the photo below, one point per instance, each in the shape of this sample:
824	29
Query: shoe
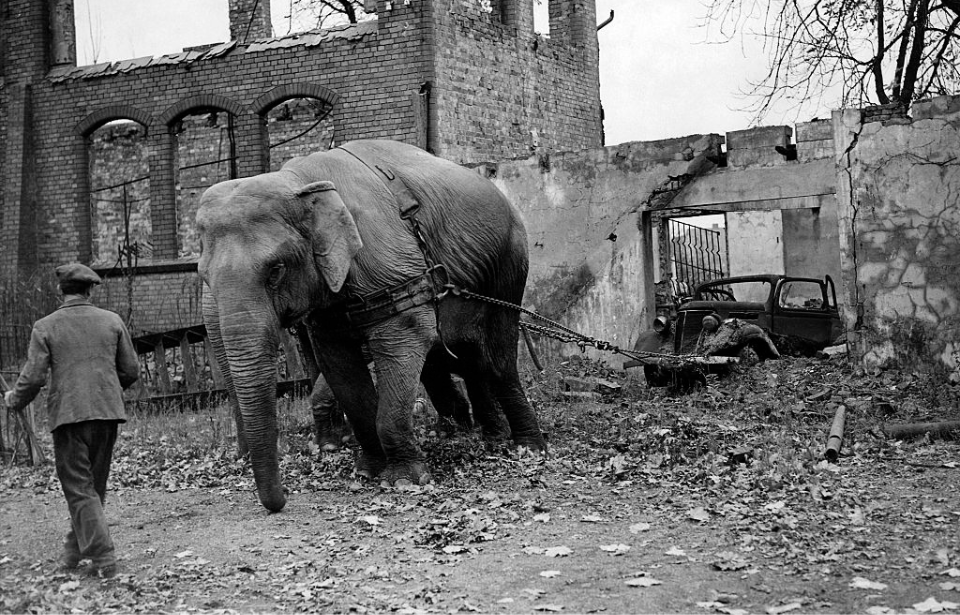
103	572
68	561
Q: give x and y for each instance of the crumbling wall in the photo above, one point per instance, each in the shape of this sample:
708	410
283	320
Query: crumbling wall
899	185
582	211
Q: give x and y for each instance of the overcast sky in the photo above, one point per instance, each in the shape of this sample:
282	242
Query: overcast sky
659	77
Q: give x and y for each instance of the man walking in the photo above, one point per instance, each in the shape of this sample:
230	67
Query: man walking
91	359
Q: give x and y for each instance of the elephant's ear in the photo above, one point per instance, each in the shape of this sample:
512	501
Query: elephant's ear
335	236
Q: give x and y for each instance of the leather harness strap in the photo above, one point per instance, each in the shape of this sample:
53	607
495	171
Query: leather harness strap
419	290
382	304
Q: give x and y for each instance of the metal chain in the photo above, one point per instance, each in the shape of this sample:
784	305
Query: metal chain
562	333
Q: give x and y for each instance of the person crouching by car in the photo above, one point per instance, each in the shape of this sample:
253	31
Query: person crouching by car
91	359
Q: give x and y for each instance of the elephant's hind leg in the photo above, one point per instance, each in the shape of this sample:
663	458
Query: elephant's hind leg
451	404
500	359
333	430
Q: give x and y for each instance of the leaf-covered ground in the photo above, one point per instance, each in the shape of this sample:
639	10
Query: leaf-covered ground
717	501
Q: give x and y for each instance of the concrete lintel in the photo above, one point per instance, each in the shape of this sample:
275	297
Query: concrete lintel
803	202
774	183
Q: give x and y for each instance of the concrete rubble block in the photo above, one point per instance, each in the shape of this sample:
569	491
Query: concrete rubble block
757	146
817	130
938	106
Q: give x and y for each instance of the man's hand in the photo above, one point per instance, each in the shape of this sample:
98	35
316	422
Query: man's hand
7	397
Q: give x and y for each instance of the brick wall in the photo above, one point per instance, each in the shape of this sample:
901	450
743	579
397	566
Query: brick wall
505	92
467	83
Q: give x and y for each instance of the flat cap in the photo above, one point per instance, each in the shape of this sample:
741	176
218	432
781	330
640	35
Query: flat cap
75	272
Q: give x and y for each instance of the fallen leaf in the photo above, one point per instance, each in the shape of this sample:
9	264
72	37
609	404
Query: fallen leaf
931	605
729	611
555	608
592	519
454	549
557	552
862	583
775	506
636	528
953	572
369	519
69	586
776	610
943	556
698	514
542	517
642	582
617	549
183	554
728	560
879	610
549	574
709	605
950	585
676	551
533	550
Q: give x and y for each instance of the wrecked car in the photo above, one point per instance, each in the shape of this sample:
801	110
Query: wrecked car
741	319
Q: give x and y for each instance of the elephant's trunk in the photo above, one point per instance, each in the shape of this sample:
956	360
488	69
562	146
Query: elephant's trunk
211	318
250	339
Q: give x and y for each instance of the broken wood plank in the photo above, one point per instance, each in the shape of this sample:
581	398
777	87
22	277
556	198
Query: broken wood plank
189	370
945	430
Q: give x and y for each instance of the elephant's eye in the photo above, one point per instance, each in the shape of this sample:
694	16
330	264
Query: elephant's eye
277	272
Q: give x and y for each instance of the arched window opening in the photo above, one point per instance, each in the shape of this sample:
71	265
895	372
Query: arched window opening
298	127
206	155
541	18
119	194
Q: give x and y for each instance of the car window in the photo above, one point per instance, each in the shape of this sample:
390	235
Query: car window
753	291
797	295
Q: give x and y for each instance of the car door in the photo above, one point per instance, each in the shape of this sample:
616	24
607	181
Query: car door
803	308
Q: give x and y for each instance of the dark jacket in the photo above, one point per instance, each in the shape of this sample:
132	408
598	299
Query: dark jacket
91	358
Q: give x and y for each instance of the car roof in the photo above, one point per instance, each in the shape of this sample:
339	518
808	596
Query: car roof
772	278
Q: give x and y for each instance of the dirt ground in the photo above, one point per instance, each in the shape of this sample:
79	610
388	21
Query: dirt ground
716	501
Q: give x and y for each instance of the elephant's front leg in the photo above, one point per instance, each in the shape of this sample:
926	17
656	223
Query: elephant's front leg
345	370
399	348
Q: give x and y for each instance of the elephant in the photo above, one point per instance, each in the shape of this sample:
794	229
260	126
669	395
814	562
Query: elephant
375	245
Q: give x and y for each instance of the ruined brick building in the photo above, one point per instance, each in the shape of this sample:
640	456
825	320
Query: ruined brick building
467	80
105	164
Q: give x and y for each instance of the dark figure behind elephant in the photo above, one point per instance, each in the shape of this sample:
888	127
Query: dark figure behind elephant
332	234
333	430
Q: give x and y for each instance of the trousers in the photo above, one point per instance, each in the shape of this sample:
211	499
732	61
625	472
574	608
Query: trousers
83	454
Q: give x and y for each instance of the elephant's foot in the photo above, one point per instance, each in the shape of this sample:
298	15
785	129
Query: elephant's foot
331	438
328	444
368	467
399	474
498	432
448	427
533	441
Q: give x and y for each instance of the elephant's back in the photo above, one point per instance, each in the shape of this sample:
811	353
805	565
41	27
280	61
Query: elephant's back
470	226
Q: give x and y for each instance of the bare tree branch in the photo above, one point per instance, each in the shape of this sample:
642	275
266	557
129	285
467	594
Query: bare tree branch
819	46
